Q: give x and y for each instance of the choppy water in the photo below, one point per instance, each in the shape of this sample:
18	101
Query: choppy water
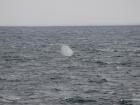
104	70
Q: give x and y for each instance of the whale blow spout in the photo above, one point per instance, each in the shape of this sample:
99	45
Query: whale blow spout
66	50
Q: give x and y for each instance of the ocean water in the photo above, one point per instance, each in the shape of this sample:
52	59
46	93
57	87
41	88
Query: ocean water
104	70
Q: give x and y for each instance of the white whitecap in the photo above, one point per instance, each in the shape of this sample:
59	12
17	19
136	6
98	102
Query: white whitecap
66	50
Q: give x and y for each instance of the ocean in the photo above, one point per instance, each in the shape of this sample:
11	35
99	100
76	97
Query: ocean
104	69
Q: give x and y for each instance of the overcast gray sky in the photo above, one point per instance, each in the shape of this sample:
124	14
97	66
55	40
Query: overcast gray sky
69	12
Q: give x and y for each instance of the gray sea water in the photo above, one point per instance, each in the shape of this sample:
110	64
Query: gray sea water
104	70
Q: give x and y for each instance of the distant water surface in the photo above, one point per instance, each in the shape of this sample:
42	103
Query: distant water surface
104	70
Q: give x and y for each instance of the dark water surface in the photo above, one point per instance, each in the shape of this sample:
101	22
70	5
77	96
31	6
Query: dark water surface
104	70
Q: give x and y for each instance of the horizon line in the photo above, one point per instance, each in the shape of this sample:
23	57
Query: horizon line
66	25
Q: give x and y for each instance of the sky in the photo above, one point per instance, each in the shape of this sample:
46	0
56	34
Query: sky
69	12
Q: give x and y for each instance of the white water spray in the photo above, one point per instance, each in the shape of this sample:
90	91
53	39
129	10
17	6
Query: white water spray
66	50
